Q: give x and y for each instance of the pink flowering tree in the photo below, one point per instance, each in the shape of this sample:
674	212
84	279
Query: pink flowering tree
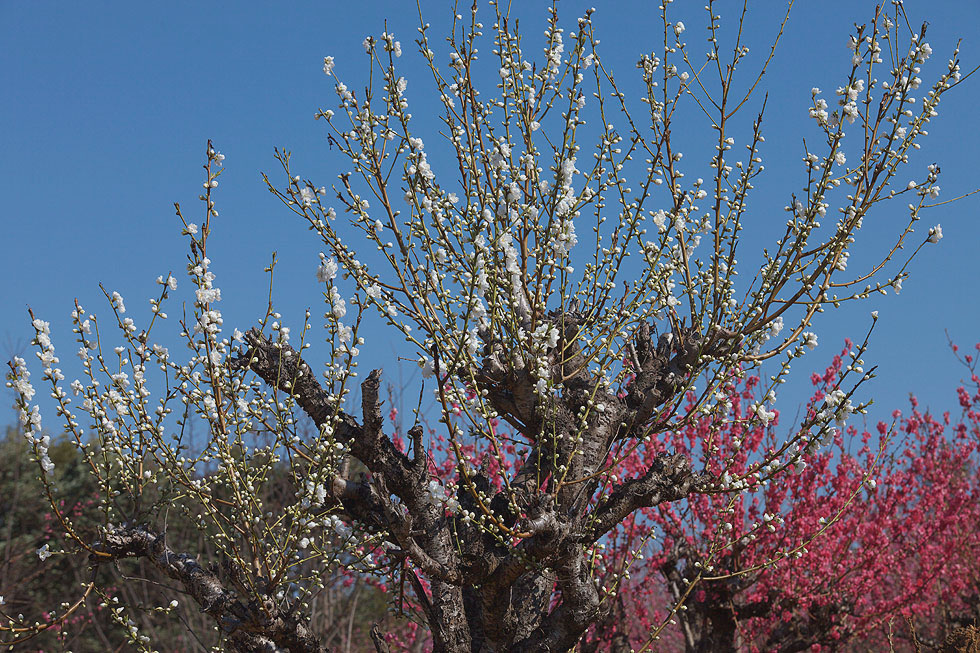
572	296
864	534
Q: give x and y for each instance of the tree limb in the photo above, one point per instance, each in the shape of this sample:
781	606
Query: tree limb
258	626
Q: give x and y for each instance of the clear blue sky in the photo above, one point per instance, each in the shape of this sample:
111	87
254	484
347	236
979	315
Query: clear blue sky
107	108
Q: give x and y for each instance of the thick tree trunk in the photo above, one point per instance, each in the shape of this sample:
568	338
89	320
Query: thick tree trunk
485	595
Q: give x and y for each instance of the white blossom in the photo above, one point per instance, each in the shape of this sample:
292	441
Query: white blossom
327	270
810	340
44	552
117	302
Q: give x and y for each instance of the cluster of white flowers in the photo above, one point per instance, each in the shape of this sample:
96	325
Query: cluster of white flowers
500	154
170	281
20	381
543	340
209	319
566	194
774	329
505	242
208	294
765	415
327	271
346	97
836	405
771	520
852	45
32	420
340	527
554	49
439	495
117	302
391	45
809	340
819	110
418	162
849	99
312	494
44	460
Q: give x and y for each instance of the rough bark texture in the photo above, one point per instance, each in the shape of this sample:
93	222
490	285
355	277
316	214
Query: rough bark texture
485	596
252	624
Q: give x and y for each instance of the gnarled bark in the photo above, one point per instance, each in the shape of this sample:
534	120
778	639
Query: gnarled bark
485	596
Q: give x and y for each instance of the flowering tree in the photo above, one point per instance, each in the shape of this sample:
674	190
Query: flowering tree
547	376
866	539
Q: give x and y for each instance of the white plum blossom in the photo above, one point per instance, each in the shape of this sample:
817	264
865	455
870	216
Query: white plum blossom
438	495
566	239
171	282
810	340
935	234
313	493
208	295
819	111
765	415
837	399
327	270
21	379
328	65
307	196
776	326
391	45
117	302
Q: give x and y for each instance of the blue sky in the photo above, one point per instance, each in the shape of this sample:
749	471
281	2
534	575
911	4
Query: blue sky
108	106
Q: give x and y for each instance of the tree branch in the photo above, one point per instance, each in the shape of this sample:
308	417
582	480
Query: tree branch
669	478
253	627
421	529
